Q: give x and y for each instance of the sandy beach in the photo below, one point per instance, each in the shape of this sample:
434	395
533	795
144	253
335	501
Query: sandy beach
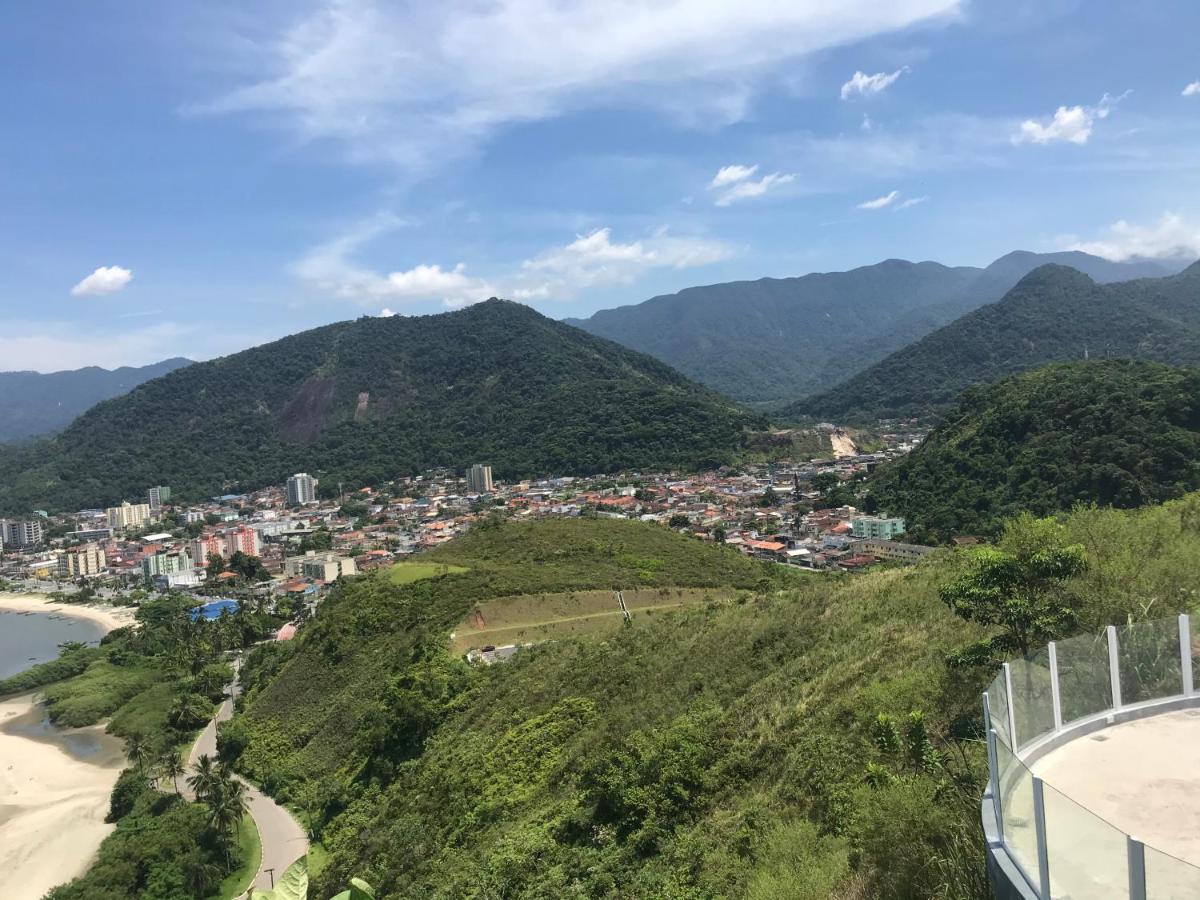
54	783
109	616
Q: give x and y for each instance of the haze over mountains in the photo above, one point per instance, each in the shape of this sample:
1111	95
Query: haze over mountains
1054	314
33	403
369	399
782	339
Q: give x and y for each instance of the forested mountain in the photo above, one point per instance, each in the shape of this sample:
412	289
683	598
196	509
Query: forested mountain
1121	433
367	400
783	338
33	404
1054	314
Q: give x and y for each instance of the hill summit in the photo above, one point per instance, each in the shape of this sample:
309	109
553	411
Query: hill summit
1053	314
367	400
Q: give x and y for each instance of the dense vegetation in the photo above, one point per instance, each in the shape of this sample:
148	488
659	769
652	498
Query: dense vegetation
1115	432
156	684
808	741
1054	314
781	338
365	401
33	404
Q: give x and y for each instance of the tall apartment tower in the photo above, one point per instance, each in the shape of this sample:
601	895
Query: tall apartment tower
158	496
21	534
301	489
479	479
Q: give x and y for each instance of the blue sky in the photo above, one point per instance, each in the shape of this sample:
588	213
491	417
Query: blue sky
194	178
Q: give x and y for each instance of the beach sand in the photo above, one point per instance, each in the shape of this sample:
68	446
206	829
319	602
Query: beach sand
52	801
54	783
109	616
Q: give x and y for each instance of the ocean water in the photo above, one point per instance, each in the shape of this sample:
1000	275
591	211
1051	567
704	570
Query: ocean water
26	639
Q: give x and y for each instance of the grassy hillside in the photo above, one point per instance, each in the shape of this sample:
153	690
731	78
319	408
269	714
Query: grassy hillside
1115	432
1055	314
368	400
777	339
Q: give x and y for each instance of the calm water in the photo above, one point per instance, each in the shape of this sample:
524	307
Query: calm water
34	638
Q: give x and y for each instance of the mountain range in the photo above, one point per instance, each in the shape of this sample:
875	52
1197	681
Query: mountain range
1054	314
780	339
34	404
367	400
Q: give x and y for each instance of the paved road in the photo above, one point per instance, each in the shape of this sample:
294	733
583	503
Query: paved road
283	838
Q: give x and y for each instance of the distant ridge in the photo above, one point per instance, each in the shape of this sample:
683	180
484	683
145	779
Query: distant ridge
34	404
368	400
1054	314
783	338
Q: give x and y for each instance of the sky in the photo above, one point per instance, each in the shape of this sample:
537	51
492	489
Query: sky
193	178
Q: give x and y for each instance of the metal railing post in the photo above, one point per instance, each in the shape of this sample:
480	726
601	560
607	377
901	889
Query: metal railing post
1039	829
1114	668
1055	697
1137	868
994	777
1012	713
1185	654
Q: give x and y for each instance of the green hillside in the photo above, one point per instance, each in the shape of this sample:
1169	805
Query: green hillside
1114	432
730	751
34	404
367	400
1054	314
781	338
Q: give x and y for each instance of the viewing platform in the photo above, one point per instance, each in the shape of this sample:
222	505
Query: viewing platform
1094	768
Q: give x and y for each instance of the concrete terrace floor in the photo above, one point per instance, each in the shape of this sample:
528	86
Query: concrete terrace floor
1140	778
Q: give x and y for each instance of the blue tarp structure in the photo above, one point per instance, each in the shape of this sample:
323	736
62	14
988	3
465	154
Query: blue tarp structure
214	608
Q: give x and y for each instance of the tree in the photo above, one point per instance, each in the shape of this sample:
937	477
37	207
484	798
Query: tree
170	766
216	565
679	520
205	779
1019	586
189	711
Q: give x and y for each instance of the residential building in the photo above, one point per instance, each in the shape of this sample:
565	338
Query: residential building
158	496
206	546
301	489
21	535
83	535
479	479
165	563
326	566
876	527
881	549
81	562
241	540
128	515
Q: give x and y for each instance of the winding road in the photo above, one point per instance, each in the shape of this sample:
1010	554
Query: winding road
283	838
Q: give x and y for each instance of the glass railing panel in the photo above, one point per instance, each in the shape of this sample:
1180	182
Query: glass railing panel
1168	878
998	704
1016	812
1194	628
1148	657
1032	699
1088	856
1083	676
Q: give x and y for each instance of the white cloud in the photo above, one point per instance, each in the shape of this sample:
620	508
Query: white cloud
1072	124
416	84
727	175
744	190
867	124
880	202
558	273
863	85
593	259
330	268
1192	90
911	202
386	313
1170	238
105	280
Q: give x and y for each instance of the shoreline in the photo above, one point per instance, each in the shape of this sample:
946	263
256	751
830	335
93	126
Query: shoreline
109	617
52	801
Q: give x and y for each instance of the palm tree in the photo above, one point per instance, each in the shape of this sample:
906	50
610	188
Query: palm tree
189	711
171	766
226	807
138	749
204	782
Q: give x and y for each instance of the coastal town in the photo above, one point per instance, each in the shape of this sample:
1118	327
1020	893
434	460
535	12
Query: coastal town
291	542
